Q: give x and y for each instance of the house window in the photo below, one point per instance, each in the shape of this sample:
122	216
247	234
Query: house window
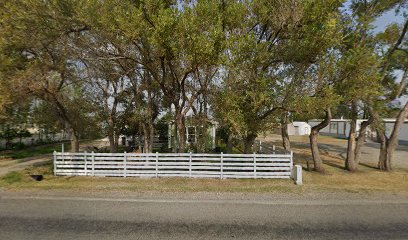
333	127
191	134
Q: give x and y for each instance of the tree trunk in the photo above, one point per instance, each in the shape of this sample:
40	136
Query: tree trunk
355	143
284	132
148	131
285	137
383	163
351	147
249	142
361	138
74	141
181	127
314	133
151	138
229	144
388	145
116	141
317	162
146	138
112	146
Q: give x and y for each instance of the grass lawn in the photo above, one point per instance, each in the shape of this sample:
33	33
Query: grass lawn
32	151
336	179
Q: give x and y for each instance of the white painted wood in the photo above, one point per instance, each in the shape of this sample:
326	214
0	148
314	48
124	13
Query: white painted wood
222	166
254	166
125	165
157	164
175	164
189	165
297	174
85	164
55	163
93	163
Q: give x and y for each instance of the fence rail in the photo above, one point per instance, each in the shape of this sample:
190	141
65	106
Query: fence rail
194	165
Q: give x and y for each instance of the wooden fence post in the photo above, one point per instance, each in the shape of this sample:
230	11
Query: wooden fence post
93	163
55	163
254	165
291	161
125	165
157	164
222	166
85	164
189	166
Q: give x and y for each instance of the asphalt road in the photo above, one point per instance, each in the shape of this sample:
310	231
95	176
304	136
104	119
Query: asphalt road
28	217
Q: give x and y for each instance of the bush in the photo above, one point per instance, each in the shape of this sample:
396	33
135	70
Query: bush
19	146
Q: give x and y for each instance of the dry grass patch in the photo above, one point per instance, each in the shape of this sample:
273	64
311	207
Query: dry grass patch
336	179
145	184
5	162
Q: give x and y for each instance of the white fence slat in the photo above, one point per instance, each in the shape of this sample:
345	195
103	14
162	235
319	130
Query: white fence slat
125	165
85	164
93	163
254	165
189	165
222	165
174	164
55	163
157	164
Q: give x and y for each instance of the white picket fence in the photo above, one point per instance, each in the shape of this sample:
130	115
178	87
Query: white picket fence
194	165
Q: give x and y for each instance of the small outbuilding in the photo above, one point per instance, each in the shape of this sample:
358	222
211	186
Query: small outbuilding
341	128
299	128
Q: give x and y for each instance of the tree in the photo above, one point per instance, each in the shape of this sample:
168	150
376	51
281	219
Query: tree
265	48
37	41
366	66
394	59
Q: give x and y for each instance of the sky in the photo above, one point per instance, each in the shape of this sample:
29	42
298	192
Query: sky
380	24
386	19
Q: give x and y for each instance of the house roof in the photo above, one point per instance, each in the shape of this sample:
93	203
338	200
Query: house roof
298	124
359	120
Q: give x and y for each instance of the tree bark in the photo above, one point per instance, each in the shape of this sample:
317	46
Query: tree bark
148	131
388	145
112	145
314	133
151	138
181	132
356	141
351	142
383	163
249	142
74	141
229	144
351	147
146	138
361	138
284	132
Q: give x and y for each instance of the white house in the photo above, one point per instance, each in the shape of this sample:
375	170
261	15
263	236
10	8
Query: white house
192	132
341	128
403	135
299	128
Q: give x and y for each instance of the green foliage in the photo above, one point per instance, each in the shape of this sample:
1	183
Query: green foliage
33	151
113	66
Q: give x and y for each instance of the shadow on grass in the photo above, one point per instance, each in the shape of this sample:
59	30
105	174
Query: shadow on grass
369	166
334	164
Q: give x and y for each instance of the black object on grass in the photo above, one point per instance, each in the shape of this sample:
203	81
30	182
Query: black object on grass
37	177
